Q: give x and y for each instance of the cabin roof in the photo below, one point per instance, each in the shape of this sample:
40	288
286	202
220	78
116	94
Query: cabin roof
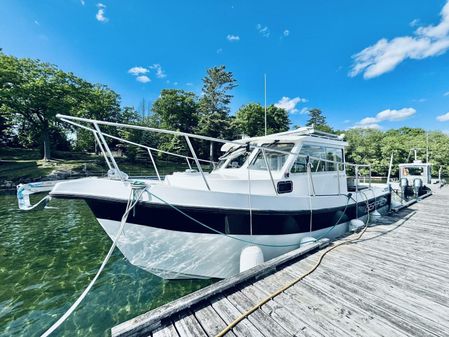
304	133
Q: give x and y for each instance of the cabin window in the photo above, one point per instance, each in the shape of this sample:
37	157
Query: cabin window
318	165
336	155
413	171
275	160
238	158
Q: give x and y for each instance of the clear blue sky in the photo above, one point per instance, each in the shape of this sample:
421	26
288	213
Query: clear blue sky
368	63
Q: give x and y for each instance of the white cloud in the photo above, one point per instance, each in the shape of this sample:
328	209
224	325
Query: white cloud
286	33
414	23
82	2
264	31
233	38
304	110
368	126
138	70
100	14
159	72
385	115
289	104
143	79
386	55
446	93
395	115
420	100
443	118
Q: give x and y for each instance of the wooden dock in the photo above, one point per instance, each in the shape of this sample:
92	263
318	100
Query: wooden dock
392	282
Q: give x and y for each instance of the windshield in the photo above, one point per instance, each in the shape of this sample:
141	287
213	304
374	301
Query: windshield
275	160
413	171
238	158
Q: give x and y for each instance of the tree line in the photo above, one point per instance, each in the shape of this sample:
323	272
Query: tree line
32	92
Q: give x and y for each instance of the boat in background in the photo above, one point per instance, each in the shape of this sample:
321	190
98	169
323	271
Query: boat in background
273	192
415	178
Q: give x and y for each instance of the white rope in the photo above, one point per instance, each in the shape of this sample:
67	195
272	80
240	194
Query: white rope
249	204
129	206
309	182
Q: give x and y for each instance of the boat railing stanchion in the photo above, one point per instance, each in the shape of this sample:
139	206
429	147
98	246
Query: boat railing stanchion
192	150
100	134
154	164
133	143
338	178
356	191
370	176
188	163
269	171
101	149
249	203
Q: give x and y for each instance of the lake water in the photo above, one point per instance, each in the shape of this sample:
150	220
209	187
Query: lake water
48	257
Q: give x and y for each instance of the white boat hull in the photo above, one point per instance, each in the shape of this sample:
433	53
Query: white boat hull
183	255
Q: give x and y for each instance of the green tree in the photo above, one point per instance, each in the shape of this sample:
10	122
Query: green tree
214	107
33	92
375	147
365	148
250	120
101	103
5	128
318	120
176	110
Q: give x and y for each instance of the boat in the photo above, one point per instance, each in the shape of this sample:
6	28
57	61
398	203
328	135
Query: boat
274	193
415	178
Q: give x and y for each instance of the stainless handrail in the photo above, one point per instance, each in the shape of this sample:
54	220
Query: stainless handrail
99	135
269	171
154	165
136	144
192	150
179	133
102	150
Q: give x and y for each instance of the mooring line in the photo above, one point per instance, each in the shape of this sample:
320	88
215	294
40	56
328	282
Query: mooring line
132	201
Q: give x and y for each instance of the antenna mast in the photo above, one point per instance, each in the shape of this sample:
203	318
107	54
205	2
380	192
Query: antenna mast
265	94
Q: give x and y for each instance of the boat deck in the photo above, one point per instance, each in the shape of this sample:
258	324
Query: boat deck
392	282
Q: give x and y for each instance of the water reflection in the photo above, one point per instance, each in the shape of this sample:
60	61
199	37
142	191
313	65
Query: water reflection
48	257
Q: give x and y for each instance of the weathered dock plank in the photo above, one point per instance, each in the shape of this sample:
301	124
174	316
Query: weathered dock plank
166	331
188	326
392	282
264	322
207	317
147	322
228	313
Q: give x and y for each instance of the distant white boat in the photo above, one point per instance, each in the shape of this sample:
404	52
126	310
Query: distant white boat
269	192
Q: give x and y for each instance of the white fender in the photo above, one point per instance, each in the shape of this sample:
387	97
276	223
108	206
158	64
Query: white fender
307	240
355	225
250	257
375	215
